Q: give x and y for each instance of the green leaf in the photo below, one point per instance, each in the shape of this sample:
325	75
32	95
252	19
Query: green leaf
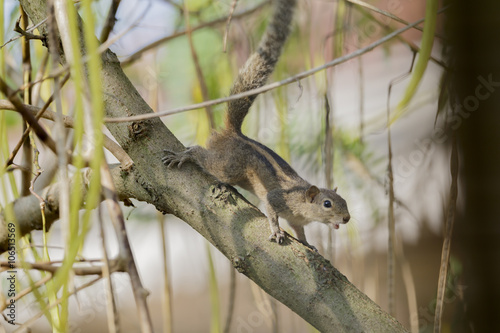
431	9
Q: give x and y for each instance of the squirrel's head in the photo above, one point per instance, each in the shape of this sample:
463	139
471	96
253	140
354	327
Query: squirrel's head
327	206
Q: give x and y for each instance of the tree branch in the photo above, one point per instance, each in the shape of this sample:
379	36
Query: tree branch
115	266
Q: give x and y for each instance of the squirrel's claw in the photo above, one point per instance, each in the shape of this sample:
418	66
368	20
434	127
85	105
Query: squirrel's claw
172	158
277	236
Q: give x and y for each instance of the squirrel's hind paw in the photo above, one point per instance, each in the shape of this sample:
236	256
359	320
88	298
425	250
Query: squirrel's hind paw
172	158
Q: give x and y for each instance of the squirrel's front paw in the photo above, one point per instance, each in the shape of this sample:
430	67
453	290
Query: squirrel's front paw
277	236
172	158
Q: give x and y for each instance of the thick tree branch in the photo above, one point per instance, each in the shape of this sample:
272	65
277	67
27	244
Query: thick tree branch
292	273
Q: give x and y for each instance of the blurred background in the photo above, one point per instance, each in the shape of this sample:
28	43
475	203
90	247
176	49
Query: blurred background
333	129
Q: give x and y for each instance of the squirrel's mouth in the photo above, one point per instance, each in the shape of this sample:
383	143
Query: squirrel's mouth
335	225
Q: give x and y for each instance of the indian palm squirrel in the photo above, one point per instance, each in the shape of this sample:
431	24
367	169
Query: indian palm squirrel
238	160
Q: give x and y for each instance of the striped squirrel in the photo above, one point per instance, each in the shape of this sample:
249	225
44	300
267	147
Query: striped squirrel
238	160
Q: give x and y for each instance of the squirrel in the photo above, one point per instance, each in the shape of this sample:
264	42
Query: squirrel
238	160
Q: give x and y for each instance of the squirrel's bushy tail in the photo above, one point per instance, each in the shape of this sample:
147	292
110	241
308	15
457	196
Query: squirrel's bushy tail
261	63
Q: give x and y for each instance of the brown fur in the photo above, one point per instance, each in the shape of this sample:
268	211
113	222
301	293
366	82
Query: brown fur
238	160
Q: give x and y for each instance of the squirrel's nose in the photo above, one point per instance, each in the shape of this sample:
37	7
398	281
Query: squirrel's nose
347	218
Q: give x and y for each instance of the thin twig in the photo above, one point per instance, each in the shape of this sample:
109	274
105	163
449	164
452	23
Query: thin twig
27	153
410	44
27	324
391	250
25	34
409	283
228	24
273	85
391	260
199	72
361	100
387	14
126	254
167	289
37	87
232	297
29	30
445	254
113	322
110	20
28	117
26	291
115	266
38	115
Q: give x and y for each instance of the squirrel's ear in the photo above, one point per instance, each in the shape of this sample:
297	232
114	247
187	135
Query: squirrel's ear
335	189
312	192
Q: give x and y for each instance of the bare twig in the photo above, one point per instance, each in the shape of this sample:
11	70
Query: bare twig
113	322
228	24
361	100
27	35
199	72
445	254
232	298
126	254
110	20
391	260
167	289
38	115
27	153
391	249
26	291
387	14
410	44
39	75
28	117
115	266
273	85
27	31
28	323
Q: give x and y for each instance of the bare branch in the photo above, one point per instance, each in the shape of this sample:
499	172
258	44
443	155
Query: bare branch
28	117
140	293
228	24
115	266
110	20
199	73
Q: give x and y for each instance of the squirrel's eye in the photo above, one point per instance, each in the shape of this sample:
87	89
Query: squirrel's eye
327	203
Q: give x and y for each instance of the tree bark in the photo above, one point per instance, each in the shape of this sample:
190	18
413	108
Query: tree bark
292	273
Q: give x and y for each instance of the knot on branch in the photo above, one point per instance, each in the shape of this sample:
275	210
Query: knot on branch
136	129
223	194
240	264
